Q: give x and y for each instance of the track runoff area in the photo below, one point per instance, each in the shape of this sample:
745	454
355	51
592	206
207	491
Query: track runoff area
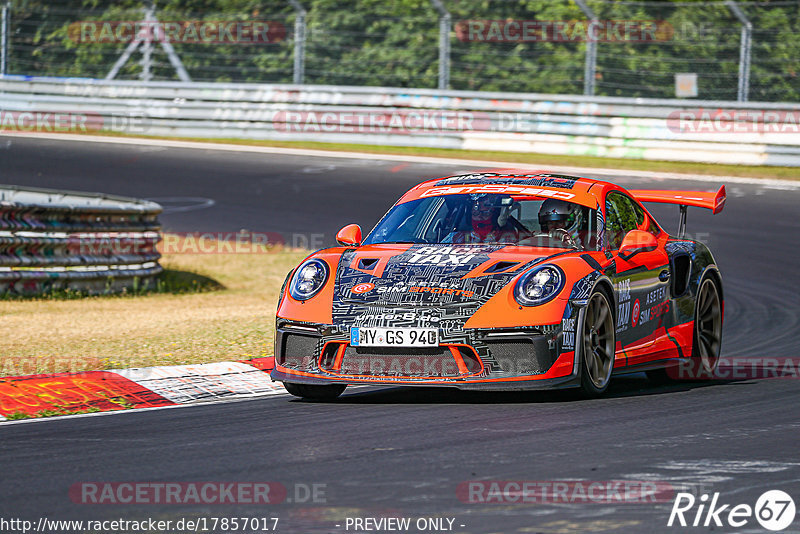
644	457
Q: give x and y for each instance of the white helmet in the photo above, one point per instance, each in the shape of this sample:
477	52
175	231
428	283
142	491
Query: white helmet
569	215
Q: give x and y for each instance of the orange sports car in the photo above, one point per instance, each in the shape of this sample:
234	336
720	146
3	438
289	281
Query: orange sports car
503	281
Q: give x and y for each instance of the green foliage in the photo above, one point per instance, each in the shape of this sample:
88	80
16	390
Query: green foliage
373	42
168	281
59	410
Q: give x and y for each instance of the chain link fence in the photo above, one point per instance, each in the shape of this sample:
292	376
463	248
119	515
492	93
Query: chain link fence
712	50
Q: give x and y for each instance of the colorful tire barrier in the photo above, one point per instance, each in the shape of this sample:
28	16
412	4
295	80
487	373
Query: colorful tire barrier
92	243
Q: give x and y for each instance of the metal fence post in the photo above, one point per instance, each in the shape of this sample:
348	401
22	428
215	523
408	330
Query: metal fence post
147	46
4	24
152	29
299	42
590	66
445	22
744	51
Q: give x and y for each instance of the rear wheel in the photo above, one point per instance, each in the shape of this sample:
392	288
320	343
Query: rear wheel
315	392
707	328
707	338
599	345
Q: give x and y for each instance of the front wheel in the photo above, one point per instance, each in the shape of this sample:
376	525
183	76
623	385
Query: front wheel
315	392
598	344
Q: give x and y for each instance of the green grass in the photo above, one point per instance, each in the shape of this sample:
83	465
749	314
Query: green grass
50	413
208	308
169	281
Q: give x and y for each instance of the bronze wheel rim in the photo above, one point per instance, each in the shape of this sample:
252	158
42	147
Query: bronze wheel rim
708	325
598	341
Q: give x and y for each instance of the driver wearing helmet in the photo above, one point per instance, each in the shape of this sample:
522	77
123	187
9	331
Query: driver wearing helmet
561	220
489	221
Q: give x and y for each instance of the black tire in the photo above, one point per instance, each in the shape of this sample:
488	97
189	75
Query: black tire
598	338
707	338
315	392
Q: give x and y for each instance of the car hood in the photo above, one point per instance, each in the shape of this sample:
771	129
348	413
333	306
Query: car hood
392	276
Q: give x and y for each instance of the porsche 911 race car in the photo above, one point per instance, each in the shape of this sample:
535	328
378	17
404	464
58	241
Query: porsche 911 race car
503	281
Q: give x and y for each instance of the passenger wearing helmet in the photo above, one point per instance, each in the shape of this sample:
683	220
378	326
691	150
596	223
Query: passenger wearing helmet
562	220
488	216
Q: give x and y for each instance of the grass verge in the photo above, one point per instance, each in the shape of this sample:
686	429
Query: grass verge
50	413
210	307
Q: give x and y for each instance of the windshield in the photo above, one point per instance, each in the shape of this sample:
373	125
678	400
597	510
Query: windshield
488	218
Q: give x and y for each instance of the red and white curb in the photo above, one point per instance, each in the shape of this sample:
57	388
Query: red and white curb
191	383
148	387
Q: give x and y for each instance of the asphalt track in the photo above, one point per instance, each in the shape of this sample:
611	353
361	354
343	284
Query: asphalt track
404	451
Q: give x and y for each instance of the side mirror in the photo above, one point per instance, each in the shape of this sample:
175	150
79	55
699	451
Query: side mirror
350	235
637	241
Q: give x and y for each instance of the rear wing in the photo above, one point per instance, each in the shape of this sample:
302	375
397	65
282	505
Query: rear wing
712	201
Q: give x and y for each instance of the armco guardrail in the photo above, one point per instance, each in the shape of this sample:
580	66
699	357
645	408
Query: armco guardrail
677	130
91	243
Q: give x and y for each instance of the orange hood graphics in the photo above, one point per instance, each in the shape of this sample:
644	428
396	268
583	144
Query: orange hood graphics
401	281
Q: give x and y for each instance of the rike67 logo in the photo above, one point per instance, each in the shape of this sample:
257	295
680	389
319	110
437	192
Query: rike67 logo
774	510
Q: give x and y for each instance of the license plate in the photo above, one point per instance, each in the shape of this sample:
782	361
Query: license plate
394	337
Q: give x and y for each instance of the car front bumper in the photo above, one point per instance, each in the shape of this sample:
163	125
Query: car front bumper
492	359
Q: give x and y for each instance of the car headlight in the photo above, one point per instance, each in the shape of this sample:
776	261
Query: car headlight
539	285
308	279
